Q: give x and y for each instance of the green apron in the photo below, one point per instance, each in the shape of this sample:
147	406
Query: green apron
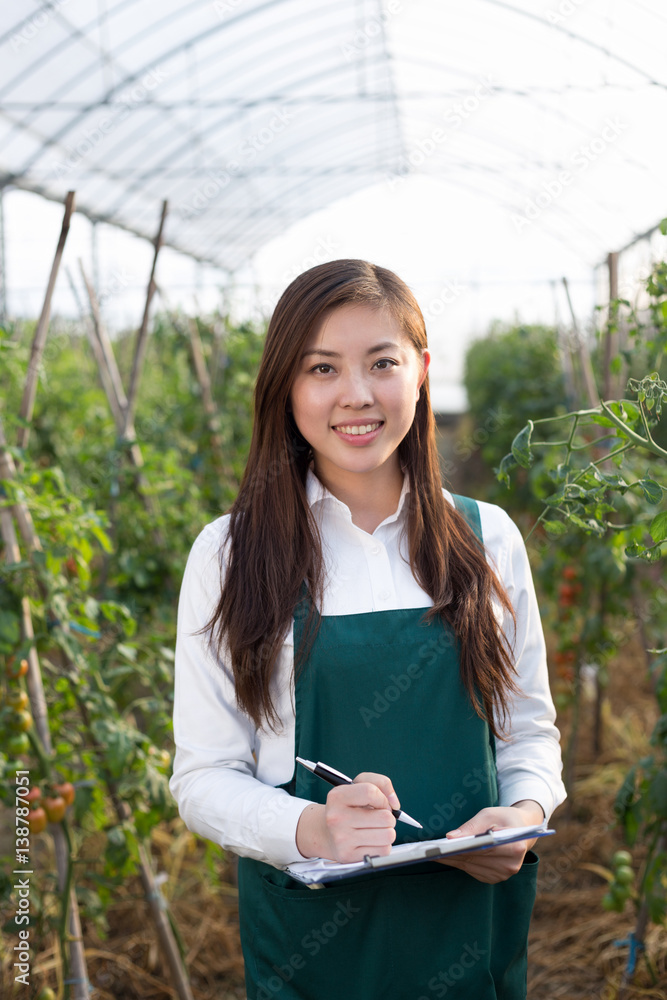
382	692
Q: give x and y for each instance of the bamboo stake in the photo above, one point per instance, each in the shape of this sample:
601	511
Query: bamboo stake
611	339
217	355
39	340
592	394
94	341
202	376
112	384
106	350
142	337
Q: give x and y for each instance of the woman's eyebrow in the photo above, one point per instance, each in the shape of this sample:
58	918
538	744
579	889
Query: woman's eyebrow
386	346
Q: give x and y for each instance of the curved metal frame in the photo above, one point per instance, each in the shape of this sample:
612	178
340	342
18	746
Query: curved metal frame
362	138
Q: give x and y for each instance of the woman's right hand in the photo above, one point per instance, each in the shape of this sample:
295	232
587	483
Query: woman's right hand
356	820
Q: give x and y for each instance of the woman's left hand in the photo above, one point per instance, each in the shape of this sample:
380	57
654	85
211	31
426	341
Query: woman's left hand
496	863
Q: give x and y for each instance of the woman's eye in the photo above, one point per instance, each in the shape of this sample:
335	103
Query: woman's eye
384	363
322	369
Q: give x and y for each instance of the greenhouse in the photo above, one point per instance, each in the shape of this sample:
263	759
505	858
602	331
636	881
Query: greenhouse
169	173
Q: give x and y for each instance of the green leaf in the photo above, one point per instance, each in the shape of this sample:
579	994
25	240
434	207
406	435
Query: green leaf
590	526
10	632
555	527
658	528
617	482
101	537
521	446
651	490
657	794
502	472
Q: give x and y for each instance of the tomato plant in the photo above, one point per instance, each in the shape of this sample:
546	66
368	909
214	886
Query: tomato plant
104	585
606	505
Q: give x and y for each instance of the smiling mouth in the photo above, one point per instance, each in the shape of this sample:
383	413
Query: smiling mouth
358	428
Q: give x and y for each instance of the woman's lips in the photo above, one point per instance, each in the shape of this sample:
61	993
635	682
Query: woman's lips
359	433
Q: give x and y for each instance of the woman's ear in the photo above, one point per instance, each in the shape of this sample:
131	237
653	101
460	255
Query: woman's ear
426	361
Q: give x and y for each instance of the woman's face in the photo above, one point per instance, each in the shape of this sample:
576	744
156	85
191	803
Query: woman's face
355	392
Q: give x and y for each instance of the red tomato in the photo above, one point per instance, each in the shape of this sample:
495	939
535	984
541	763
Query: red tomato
37	820
570	573
34	795
13	670
67	791
55	807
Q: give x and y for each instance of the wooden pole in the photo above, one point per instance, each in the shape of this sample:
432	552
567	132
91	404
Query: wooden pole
96	347
592	395
112	384
106	350
611	338
39	340
142	337
191	334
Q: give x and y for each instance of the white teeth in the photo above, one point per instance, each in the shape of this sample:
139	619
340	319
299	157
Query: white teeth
359	428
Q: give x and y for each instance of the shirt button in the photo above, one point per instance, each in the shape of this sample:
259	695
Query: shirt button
375	550
385	595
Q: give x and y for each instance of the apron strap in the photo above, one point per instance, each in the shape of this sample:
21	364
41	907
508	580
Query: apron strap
470	511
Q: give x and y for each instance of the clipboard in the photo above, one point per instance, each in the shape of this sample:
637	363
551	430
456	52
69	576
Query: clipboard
318	871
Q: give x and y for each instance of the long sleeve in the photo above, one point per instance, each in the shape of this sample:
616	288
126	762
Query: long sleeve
214	782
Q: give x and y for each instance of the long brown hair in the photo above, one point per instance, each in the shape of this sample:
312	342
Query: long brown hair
273	544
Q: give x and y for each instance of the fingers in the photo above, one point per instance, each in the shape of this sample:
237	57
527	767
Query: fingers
384	784
359	820
497	863
490	866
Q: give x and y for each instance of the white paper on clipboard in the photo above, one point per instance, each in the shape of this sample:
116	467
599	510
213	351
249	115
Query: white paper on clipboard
319	870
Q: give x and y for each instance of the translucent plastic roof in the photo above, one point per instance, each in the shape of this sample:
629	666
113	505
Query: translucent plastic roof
247	115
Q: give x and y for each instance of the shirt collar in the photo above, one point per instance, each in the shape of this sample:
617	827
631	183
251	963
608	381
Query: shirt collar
317	493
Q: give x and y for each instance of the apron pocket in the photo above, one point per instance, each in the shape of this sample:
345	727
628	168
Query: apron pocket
390	937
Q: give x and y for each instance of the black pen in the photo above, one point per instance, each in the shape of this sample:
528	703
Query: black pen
334	777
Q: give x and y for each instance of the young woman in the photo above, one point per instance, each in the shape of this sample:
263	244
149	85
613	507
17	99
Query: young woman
350	610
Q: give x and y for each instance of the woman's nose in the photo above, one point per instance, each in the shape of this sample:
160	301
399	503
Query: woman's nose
355	391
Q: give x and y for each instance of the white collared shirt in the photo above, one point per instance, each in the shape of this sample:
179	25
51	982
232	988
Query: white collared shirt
225	770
